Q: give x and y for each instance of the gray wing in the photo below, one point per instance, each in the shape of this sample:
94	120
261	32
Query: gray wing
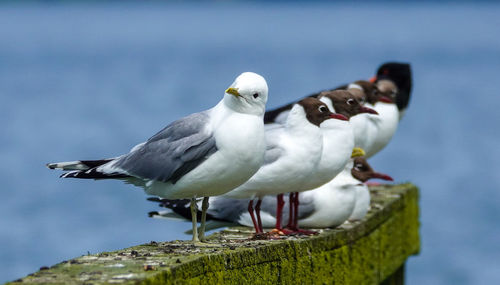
227	209
273	149
172	152
306	206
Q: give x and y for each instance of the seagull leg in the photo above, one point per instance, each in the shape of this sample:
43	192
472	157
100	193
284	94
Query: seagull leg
194	213
204	208
296	219
290	227
257	212
296	211
279	211
252	215
291	200
279	230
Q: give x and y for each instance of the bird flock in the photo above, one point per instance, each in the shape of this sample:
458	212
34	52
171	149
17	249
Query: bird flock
237	161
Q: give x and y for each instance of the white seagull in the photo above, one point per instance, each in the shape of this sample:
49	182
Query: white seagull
399	74
373	133
201	155
389	115
292	157
338	142
389	96
363	172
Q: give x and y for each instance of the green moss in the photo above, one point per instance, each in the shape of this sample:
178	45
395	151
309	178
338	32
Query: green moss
365	252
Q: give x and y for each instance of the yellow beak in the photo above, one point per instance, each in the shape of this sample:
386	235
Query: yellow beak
233	91
357	151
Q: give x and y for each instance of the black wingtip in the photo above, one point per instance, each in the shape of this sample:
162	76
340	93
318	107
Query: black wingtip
153	213
67	175
92	174
154	199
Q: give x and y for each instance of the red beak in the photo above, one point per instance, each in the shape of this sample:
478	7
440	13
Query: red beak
381	176
367	110
373	79
339	117
385	99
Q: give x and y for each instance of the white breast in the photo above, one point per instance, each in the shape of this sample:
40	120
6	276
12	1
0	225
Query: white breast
365	129
362	204
386	126
301	151
338	142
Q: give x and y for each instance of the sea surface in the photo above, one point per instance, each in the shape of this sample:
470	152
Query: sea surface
89	81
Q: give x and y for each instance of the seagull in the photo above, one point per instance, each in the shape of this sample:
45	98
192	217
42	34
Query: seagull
372	133
338	142
393	82
201	155
399	73
388	118
292	157
327	206
362	171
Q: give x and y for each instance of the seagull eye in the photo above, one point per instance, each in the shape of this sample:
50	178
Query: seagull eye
359	167
255	95
323	109
350	101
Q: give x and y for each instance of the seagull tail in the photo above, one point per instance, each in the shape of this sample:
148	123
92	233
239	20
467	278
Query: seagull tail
167	214
181	208
78	164
85	169
171	215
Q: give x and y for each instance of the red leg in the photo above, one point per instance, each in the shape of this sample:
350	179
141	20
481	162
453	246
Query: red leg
293	218
291	199
250	210
296	211
257	212
296	219
279	211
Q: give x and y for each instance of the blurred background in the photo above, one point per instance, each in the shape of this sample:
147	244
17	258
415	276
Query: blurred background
89	80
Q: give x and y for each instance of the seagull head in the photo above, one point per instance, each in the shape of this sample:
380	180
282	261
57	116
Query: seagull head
247	94
314	111
399	73
387	91
345	103
364	91
362	171
368	92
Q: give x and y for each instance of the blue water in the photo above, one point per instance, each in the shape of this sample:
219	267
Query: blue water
90	81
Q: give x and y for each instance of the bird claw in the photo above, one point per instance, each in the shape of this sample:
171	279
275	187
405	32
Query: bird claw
299	231
271	235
